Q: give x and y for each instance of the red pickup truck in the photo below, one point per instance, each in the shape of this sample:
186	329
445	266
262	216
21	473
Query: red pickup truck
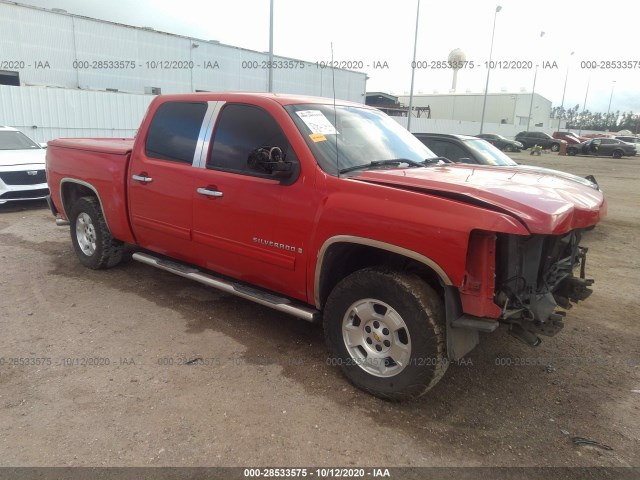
332	212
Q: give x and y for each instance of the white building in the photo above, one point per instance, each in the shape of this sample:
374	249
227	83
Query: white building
502	108
69	75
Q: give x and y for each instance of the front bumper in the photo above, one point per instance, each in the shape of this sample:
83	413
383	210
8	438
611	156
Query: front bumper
20	185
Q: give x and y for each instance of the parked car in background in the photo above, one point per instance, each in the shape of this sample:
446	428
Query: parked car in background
569	137
529	139
633	139
598	135
466	149
501	142
603	147
22	167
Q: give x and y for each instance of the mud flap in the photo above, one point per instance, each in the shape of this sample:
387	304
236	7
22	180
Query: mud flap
460	341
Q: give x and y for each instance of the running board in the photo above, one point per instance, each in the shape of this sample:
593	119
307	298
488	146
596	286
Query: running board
267	299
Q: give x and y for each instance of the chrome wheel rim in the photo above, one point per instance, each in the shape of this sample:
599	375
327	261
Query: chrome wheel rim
376	337
86	234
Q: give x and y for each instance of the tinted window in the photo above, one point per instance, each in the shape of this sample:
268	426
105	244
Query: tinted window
606	141
446	149
241	129
174	131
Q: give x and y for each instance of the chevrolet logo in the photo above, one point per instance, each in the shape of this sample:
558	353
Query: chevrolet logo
32	172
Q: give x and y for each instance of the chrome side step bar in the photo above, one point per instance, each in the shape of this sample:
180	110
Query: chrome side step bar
244	291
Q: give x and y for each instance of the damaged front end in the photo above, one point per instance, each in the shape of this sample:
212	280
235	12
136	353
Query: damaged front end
537	278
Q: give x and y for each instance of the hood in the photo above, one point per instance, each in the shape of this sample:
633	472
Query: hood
545	204
10	158
558	173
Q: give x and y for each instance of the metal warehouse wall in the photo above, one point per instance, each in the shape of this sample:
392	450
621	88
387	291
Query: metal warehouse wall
513	108
35	36
45	113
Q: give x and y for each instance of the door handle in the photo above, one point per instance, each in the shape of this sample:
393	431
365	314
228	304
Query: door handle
142	178
209	193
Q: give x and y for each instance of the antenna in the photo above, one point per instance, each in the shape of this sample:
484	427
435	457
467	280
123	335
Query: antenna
335	113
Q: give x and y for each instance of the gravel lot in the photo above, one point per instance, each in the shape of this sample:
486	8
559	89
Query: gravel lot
93	373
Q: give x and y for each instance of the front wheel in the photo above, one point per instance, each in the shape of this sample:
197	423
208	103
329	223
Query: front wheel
385	329
90	235
508	148
555	147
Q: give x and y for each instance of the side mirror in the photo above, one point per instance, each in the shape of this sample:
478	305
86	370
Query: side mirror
466	160
271	161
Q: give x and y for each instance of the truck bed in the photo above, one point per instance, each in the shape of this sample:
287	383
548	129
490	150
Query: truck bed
100	164
114	146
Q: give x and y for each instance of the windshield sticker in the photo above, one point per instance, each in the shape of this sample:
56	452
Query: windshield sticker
317	122
317	137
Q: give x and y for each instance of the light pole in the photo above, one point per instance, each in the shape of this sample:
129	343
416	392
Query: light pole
584	107
271	47
610	97
533	91
486	86
413	69
566	77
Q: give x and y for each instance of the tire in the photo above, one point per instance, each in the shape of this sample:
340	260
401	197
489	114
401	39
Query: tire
397	349
508	148
571	152
92	241
555	147
617	154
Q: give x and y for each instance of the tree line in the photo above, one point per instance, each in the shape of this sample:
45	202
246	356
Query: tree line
587	120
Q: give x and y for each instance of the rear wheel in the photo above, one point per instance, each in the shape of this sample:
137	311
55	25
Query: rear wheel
571	152
617	154
385	330
90	235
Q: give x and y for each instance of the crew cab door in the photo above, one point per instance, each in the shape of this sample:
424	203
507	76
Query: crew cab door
161	177
247	224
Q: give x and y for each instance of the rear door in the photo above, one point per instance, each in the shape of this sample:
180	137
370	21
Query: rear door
161	178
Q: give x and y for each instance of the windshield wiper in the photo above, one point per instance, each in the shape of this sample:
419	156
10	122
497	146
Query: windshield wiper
382	163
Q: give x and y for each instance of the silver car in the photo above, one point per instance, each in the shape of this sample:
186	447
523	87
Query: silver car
22	167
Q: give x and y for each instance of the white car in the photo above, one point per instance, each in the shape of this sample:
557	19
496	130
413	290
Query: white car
22	167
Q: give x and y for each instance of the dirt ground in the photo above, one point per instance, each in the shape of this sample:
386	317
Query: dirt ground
93	368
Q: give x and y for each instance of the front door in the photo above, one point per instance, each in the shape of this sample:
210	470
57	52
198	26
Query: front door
249	224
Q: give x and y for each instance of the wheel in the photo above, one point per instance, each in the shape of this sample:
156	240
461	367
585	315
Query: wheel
92	241
508	148
571	152
385	330
555	147
617	154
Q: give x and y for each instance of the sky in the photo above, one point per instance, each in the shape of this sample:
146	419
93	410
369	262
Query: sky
381	33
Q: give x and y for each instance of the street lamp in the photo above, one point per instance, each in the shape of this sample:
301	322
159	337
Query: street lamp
584	106
486	87
566	77
610	97
271	46
413	69
533	91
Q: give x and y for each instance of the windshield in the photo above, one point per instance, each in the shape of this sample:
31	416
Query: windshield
10	140
488	154
361	136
